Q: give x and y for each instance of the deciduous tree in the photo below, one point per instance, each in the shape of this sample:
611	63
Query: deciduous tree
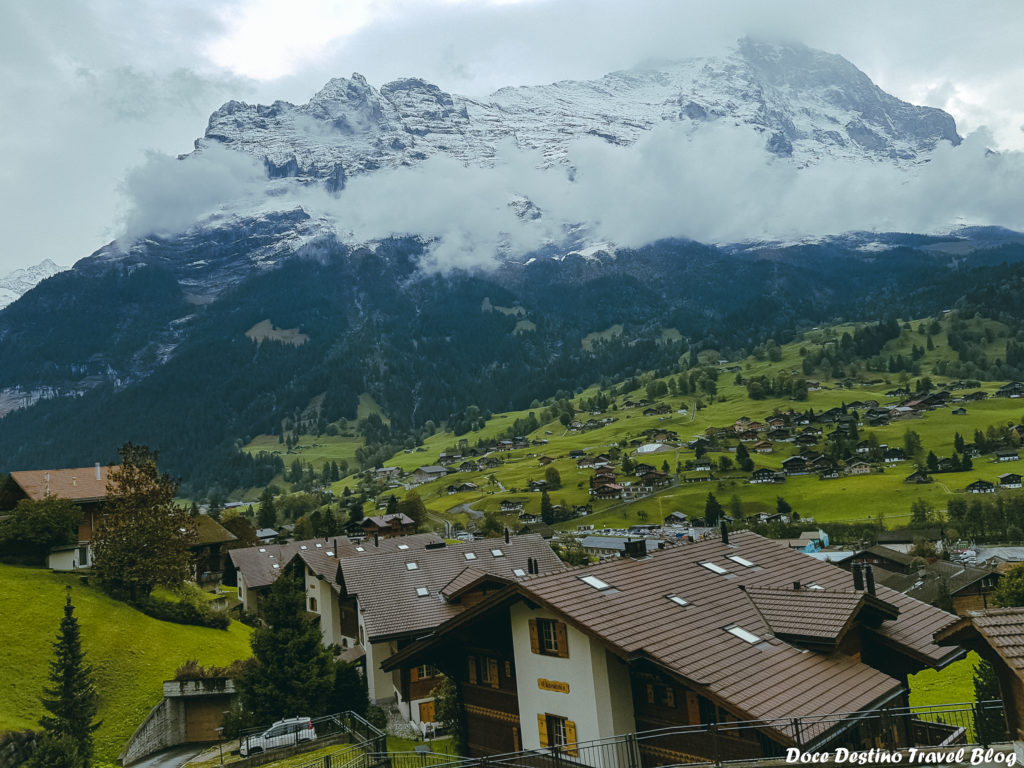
142	539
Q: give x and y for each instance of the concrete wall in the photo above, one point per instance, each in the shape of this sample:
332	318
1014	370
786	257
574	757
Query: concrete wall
67	559
164	727
191	711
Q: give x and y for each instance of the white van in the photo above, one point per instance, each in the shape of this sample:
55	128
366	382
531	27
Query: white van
283	733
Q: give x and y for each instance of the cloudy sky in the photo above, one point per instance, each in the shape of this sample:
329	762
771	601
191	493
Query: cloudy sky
94	90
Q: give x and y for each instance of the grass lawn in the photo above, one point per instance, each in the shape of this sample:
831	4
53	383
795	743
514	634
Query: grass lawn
952	685
131	654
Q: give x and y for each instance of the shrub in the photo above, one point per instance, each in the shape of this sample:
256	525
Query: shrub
183	613
376	717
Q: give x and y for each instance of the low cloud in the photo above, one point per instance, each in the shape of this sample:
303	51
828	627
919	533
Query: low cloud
716	184
166	195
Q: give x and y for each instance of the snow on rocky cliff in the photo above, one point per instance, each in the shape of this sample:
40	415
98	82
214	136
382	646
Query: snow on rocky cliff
18	282
805	104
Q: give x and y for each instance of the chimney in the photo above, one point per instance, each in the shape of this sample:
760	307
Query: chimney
635	548
796	586
98	470
376	539
858	577
725	532
506	535
869	579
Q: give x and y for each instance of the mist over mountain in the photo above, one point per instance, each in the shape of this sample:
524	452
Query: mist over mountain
439	252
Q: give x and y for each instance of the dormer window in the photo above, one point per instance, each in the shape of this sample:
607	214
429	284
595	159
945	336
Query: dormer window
743	634
595	582
713	567
742	561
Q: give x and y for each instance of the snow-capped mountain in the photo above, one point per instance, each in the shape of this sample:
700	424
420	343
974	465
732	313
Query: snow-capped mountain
806	104
14	284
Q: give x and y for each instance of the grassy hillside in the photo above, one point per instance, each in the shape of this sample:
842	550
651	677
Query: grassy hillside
847	499
131	654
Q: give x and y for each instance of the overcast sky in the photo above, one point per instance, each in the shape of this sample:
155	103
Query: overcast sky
90	89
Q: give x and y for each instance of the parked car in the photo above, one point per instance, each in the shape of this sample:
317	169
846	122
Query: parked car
283	733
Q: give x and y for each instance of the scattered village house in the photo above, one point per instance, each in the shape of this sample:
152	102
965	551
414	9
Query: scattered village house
85	486
720	630
396	524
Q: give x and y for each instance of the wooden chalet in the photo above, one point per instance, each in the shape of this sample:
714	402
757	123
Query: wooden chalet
733	629
980	486
397	524
85	486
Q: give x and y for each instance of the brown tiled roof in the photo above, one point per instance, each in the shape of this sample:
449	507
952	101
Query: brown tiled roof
209	531
385	521
1002	628
257	563
387	587
814	615
765	679
76	484
469	578
924	583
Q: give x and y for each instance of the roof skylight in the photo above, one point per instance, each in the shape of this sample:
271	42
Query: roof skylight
412	566
329	553
403	546
303	546
422	591
741	560
742	634
319	546
677	600
595	582
360	549
518	571
276	565
263	549
712	567
471	555
497	553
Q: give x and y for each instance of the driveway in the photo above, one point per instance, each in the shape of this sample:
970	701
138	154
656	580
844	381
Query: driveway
171	758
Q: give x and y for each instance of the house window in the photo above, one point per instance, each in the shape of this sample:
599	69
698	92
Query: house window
483	670
312	604
426	670
549	637
557	731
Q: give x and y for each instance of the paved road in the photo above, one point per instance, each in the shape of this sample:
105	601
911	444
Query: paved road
172	758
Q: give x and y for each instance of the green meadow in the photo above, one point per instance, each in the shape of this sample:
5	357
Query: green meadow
130	653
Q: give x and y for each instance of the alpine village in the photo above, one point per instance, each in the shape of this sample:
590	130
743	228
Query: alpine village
271	498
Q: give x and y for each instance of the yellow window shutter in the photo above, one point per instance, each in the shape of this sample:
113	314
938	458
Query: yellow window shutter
472	669
562	639
534	637
692	708
650	693
570	738
542	728
492	672
414	674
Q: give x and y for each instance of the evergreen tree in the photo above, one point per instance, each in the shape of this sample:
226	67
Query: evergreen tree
392	507
291	672
547	512
71	700
412	506
782	506
932	462
958	443
712	510
267	516
989	724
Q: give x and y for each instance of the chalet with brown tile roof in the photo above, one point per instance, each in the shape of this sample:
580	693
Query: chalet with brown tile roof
208	557
396	524
701	632
85	486
969	587
258	567
383	600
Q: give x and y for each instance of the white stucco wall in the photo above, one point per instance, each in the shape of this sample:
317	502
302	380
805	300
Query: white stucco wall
600	699
327	607
67	559
380	685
